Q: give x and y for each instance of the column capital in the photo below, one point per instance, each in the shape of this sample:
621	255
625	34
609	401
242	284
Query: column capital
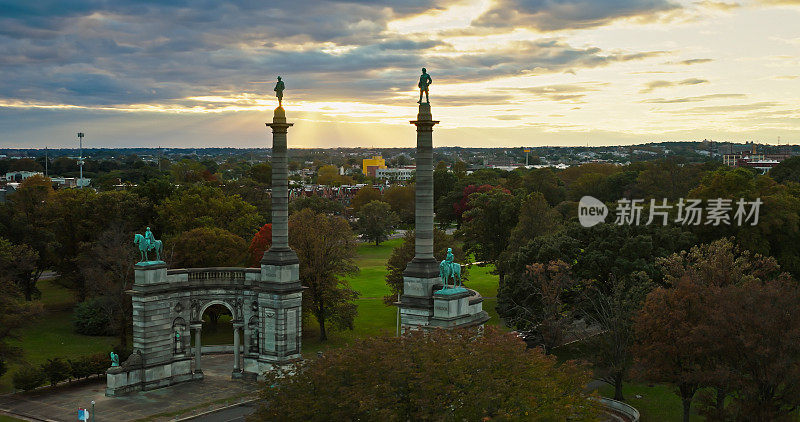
279	127
424	124
196	326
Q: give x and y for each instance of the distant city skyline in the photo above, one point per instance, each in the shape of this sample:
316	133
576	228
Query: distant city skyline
505	72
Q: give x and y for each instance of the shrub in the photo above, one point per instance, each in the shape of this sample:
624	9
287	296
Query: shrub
3	367
56	370
99	362
89	318
28	377
81	367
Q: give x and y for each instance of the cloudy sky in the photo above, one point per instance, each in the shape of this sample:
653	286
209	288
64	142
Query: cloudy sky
505	72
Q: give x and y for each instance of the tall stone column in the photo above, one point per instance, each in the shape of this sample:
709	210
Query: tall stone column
198	347
422	273
280	292
280	252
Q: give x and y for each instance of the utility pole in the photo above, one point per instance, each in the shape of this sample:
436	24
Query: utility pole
80	157
45	163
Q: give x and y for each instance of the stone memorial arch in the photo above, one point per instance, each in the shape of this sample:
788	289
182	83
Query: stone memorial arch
168	304
265	304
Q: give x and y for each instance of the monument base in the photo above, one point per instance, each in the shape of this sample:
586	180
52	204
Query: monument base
457	307
122	380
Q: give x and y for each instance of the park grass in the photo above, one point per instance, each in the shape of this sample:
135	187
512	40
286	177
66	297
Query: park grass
376	318
657	403
4	418
370	282
51	334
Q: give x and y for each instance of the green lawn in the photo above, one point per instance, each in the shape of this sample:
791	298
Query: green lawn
4	418
374	317
371	280
51	334
657	402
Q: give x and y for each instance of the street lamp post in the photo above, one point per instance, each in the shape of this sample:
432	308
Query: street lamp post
92	410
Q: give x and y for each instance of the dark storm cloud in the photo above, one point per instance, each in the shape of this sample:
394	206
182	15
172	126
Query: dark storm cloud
101	53
551	15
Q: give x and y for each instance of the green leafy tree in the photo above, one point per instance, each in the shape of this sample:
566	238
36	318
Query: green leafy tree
326	248
488	225
777	233
444	182
106	266
395	379
544	181
329	175
79	216
460	169
537	306
203	206
19	263
25	164
612	309
318	204
188	171
254	193
536	218
207	247
15	313
404	253
364	196
787	170
401	199
667	179
376	221
261	173
28	225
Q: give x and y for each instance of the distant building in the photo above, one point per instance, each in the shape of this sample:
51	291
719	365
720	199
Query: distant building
402	174
71	182
751	159
18	176
370	165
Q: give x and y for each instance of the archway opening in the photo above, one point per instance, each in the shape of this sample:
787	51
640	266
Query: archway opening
217	326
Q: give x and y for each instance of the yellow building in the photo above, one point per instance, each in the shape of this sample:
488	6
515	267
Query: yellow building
369	165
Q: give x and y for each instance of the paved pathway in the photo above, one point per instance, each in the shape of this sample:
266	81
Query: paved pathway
61	403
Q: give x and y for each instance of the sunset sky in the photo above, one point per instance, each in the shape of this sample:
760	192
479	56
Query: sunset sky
190	73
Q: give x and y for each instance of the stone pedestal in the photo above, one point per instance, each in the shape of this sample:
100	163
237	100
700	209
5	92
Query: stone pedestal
457	307
155	362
